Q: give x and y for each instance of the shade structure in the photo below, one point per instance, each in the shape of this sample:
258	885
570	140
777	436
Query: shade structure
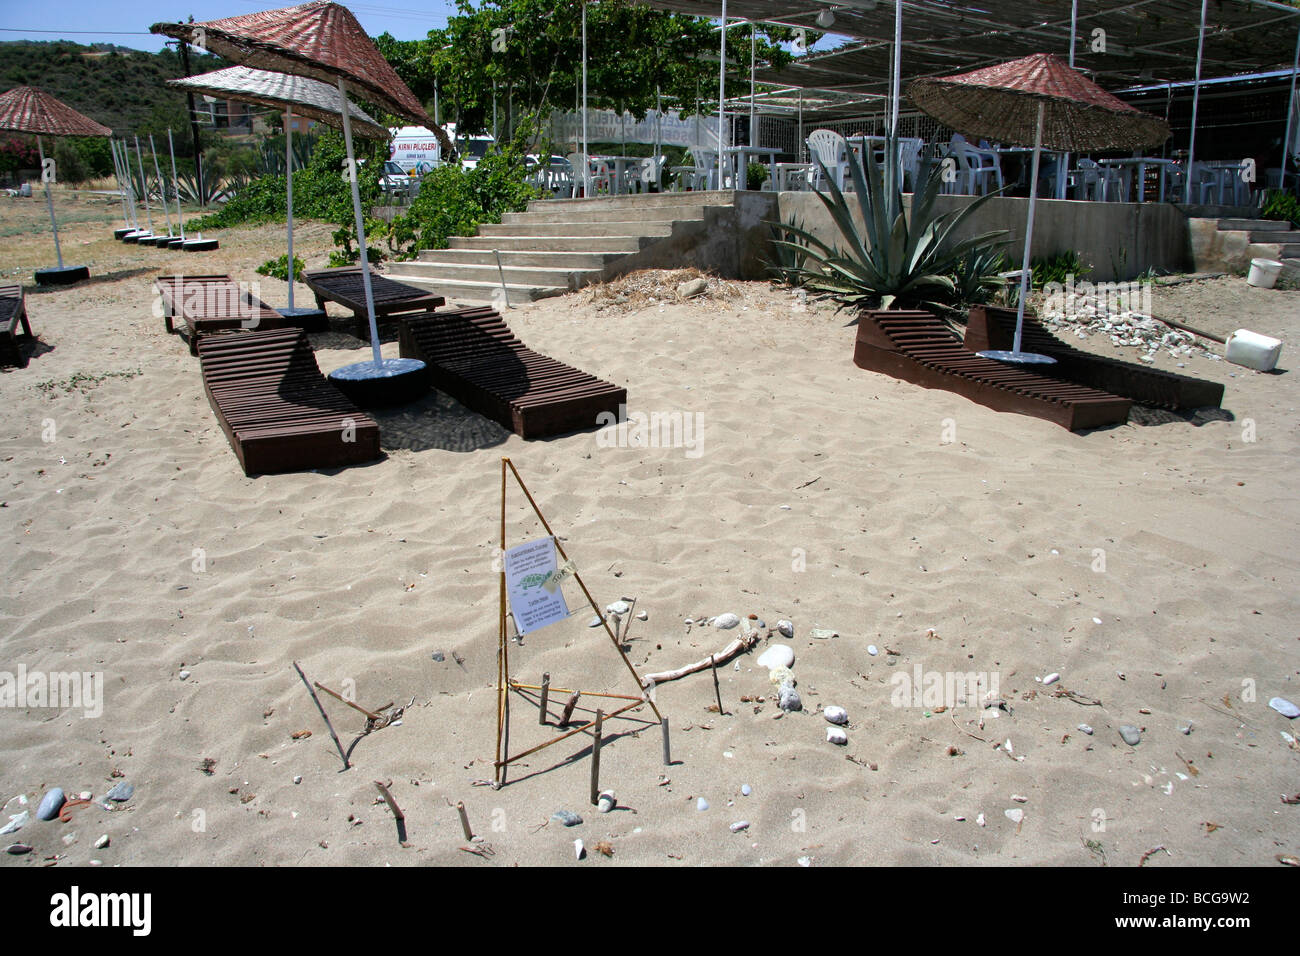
1041	101
25	109
325	42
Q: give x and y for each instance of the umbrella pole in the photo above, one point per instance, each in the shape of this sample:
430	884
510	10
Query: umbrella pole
586	158
288	190
176	187
897	71
144	181
722	94
49	203
121	182
360	223
1196	103
162	186
1029	230
130	184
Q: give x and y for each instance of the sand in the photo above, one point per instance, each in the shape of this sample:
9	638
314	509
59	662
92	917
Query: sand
1151	565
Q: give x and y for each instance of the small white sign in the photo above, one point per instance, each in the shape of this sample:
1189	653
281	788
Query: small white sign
528	567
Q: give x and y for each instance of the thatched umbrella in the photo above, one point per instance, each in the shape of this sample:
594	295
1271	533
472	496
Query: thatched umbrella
322	41
1038	101
25	109
293	94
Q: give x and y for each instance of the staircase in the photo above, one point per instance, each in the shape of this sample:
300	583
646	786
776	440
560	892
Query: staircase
1228	245
560	245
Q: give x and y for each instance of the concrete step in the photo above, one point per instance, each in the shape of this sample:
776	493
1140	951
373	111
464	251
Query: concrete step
1273	250
543	230
462	290
717	197
647	213
452	271
524	257
623	244
1251	225
1274	235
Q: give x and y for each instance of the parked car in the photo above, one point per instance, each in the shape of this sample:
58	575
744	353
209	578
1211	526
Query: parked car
395	181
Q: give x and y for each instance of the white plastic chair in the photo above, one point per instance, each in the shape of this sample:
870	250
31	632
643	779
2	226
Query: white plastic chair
980	167
830	148
597	172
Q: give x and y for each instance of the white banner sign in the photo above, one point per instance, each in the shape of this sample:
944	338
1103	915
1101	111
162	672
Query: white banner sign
528	567
607	126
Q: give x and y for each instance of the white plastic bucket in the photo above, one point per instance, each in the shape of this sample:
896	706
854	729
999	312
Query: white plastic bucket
1253	350
1264	272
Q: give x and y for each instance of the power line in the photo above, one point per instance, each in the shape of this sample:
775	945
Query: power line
115	33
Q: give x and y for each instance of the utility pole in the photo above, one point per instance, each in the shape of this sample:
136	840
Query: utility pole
194	123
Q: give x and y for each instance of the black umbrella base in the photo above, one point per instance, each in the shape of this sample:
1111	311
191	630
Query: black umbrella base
395	381
310	320
200	245
135	235
119	233
65	276
169	242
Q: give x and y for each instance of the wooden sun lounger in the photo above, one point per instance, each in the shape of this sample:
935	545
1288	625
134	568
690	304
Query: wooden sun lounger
13	313
344	286
276	408
474	357
917	347
991	327
211	304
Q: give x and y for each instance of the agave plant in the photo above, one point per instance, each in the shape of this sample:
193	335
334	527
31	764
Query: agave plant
889	259
977	276
213	189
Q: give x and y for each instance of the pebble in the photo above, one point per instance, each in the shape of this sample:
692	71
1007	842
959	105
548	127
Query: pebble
1086	729
1130	734
739	825
184	675
836	735
297	779
980	819
618	607
51	804
17	849
122	792
822	633
701	805
643	615
1284	707
781	675
607	801
594	622
1185	727
786	628
873	650
16	822
805	861
102	842
1051	678
567	817
746	790
759	623
778	655
579	851
788	698
439	656
726	621
692	288
836	715
1015	815
1019	799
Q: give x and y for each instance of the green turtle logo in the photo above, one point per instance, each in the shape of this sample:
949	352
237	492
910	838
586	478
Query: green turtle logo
532	581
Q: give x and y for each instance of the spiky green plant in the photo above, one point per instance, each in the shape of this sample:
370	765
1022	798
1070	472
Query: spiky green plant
889	259
977	276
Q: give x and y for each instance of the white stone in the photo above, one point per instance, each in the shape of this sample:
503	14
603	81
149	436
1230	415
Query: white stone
836	715
739	825
781	675
701	804
618	607
1051	678
726	621
1284	707
101	842
777	655
1015	815
873	650
786	628
579	851
836	735
642	616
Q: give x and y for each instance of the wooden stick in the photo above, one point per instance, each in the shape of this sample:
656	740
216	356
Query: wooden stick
668	757
595	758
464	820
515	685
373	716
576	730
388	798
324	716
546	693
716	690
571	703
741	643
1189	328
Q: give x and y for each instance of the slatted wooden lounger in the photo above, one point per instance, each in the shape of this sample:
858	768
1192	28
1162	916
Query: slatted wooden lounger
917	347
344	286
13	313
276	408
990	327
211	304
474	357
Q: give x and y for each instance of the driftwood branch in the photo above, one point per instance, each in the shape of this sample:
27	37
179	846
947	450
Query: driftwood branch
742	643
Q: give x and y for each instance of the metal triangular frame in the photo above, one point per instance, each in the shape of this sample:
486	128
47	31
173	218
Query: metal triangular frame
506	684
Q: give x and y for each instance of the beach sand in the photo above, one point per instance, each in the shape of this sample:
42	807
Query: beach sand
1153	566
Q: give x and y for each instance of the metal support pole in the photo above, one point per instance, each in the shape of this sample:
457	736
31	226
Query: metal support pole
898	66
288	190
176	189
162	186
49	202
1290	111
144	183
1029	231
360	222
1064	169
1196	102
722	92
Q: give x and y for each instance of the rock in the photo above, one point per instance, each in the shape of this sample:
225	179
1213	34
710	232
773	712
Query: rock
184	675
594	622
786	628
836	715
1019	799
102	842
121	793
759	623
980	819
745	790
618	607
1015	815
726	621
836	735
805	861
579	851
781	675
51	804
1130	734
778	655
17	849
607	801
1185	727
1051	678
739	825
701	805
567	817
297	779
1085	729
788	698
692	288
873	650
16	822
439	656
642	616
1284	707
822	633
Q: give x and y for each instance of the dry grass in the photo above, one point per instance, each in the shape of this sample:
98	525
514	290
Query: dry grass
647	287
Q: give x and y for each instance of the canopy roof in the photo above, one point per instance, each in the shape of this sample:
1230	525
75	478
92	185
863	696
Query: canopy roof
305	96
1145	40
320	40
25	109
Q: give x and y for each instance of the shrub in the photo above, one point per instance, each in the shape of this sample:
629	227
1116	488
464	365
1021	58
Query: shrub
279	268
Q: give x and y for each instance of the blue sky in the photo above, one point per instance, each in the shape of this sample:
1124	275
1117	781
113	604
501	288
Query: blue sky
126	22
